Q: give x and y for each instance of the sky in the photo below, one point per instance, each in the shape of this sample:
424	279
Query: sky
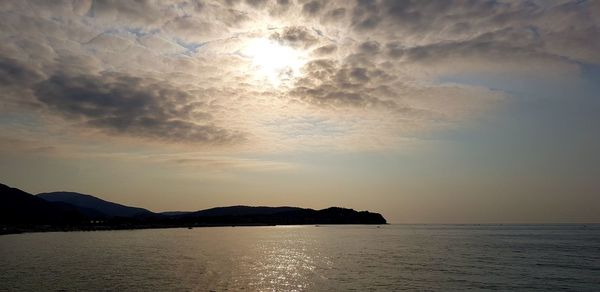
425	111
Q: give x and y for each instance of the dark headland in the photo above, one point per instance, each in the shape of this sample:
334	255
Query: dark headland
68	211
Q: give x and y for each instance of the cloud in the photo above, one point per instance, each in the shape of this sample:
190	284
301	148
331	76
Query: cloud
13	73
172	71
256	3
334	15
296	36
138	13
312	7
369	47
325	50
329	83
224	163
132	105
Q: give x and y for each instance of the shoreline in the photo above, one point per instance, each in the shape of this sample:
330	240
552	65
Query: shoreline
42	229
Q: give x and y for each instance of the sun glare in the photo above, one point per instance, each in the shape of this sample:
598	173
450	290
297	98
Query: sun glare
274	61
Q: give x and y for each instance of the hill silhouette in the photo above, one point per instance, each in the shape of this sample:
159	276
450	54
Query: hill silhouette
103	208
19	207
240	211
249	215
22	212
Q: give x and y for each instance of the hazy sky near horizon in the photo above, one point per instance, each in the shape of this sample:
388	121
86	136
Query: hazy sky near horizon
425	111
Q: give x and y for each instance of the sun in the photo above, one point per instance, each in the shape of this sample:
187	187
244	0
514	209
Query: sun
273	61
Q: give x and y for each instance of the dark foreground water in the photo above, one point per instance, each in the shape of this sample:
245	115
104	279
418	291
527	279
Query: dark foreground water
325	258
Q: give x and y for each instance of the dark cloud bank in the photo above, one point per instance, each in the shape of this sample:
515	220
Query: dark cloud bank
122	104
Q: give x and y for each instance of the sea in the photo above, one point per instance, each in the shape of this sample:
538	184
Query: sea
307	258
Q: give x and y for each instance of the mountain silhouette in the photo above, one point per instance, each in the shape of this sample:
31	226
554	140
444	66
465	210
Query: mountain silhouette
249	215
19	207
64	211
101	207
240	211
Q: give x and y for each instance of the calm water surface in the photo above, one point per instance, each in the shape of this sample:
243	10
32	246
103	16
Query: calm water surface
340	258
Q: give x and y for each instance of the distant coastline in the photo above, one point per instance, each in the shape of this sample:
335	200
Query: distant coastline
22	212
6	230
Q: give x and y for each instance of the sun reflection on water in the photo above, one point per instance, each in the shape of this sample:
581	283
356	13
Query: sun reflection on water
283	266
